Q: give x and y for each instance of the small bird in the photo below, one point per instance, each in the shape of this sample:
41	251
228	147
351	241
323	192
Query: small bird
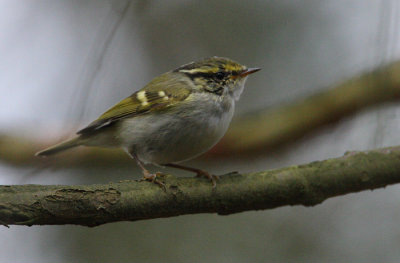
175	117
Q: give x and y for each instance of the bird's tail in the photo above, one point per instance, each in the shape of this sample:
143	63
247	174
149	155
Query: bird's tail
62	146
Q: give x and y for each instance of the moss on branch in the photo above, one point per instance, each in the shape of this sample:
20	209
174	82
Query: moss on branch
93	205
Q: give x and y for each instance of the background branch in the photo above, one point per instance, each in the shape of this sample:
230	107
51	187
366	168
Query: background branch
94	205
253	133
269	129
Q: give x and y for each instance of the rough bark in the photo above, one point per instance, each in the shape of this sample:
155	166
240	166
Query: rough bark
93	205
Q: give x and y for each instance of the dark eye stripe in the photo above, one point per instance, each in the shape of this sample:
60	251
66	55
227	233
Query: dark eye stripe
216	76
220	75
199	75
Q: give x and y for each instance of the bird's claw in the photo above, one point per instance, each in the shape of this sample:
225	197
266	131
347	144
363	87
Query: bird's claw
152	177
211	177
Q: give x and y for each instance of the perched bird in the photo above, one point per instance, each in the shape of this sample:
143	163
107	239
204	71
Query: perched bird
176	117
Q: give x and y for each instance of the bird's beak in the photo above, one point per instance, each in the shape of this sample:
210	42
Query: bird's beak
248	71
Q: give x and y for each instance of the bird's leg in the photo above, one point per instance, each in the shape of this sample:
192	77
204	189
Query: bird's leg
199	172
152	177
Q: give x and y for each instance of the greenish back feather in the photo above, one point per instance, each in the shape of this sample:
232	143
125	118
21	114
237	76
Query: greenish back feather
162	93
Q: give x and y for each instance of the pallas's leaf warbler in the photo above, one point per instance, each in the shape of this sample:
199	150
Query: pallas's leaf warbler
176	117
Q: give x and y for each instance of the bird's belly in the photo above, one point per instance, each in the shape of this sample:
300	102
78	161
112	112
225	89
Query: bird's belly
162	139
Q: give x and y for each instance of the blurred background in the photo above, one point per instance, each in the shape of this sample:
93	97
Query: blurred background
65	62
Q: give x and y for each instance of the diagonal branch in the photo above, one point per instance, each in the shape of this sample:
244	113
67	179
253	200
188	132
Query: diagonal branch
270	128
93	205
253	133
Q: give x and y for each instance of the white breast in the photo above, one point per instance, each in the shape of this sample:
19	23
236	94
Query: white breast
181	134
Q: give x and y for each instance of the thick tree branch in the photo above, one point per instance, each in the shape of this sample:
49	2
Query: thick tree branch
93	205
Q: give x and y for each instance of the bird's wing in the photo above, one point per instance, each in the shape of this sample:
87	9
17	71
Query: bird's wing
160	94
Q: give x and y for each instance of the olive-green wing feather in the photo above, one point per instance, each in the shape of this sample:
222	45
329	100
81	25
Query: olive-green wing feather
160	94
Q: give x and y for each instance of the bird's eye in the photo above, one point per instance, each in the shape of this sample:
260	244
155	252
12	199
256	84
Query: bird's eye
220	75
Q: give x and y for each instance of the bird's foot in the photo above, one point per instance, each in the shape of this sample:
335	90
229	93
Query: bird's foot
199	172
152	177
211	177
